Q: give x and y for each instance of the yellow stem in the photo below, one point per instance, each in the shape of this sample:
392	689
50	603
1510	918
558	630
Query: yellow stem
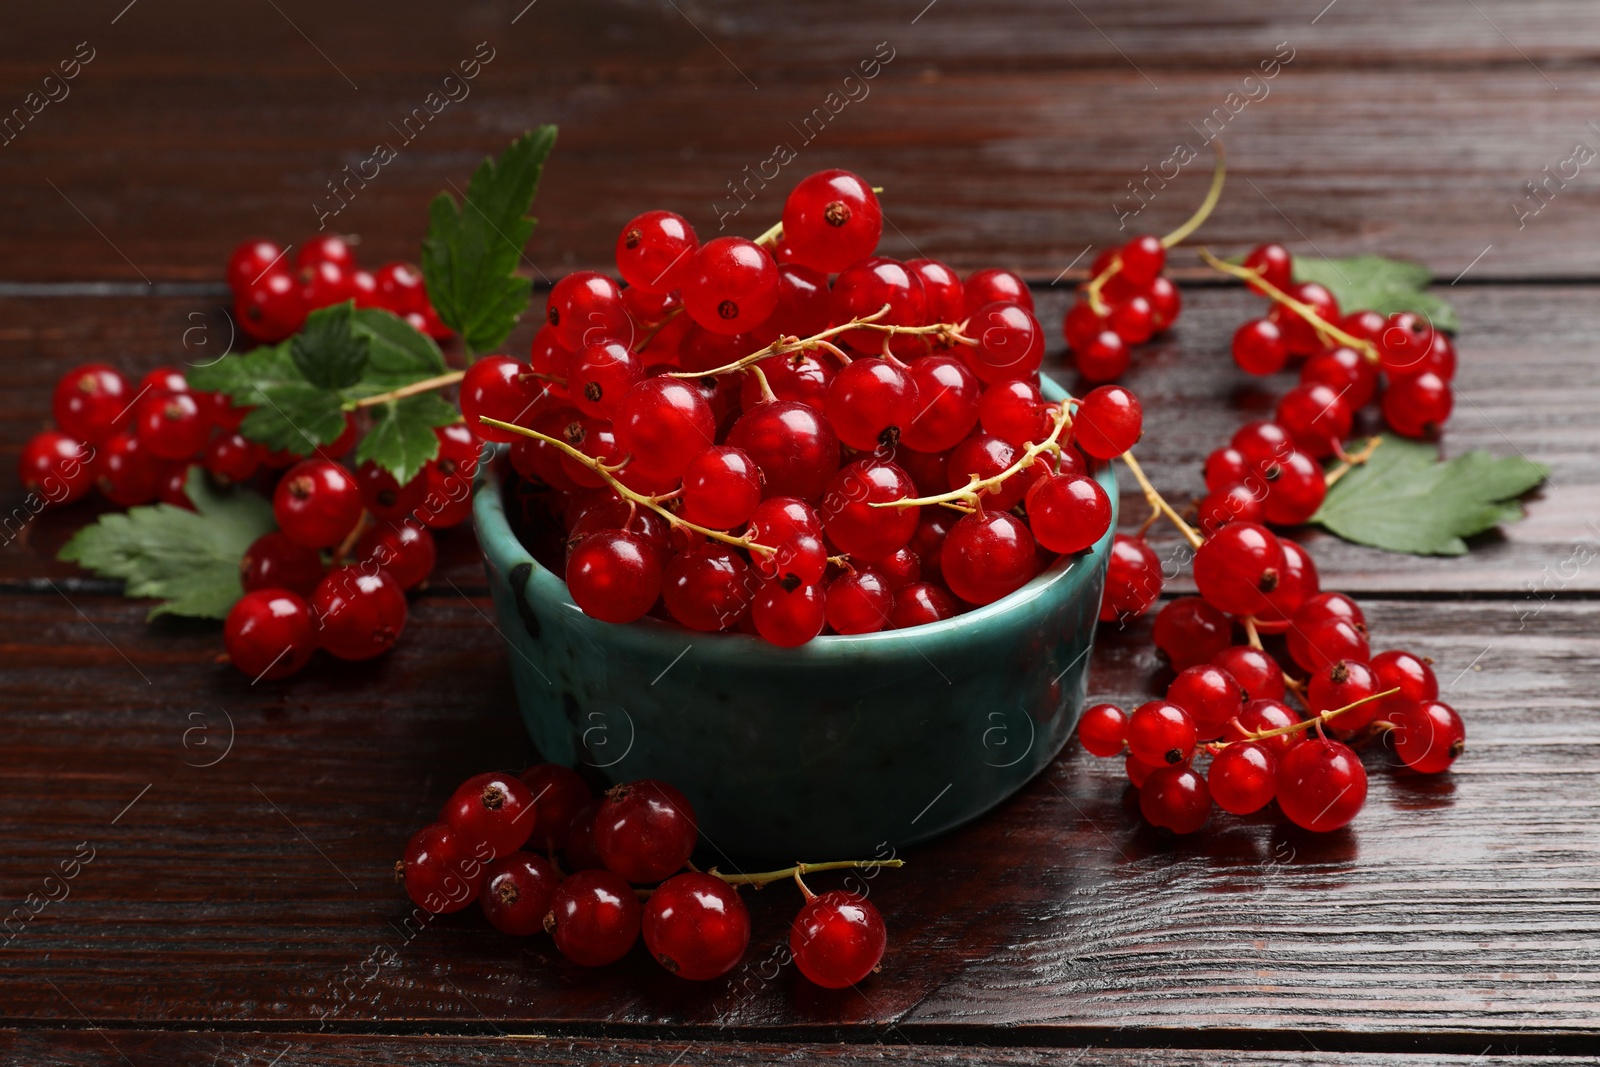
1218	172
427	385
1324	328
973	491
1355	460
651	502
949	332
768	877
1262	735
1160	504
649	335
1250	633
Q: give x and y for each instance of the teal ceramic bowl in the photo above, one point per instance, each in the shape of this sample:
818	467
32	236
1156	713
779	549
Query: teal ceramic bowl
843	748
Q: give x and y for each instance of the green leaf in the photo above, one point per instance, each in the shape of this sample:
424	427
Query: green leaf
471	252
1403	499
401	439
289	412
1384	285
187	559
396	348
329	351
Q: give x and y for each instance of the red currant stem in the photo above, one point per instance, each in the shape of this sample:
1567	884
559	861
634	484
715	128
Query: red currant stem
651	502
1250	633
1159	503
650	334
533	375
1324	328
767	395
1150	520
768	877
348	545
1295	727
971	494
1219	171
805	890
949	333
1092	290
426	385
1347	462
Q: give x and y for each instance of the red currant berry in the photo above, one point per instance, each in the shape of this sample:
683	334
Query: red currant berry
358	615
329	248
517	892
595	439
594	918
837	939
1133	320
125	471
988	555
859	603
249	261
614	575
993	285
854	524
1298	334
1273	263
1296	487
1236	503
721	488
1104	358
274	562
1083	324
173	485
664	423
947	395
1010	342
942	286
401	289
1255	671
864	289
1243	777
91	402
231	458
323	284
1238	567
1166	304
919	604
787	612
1259	347
1160	733
1133	579
899	568
645	831
558	795
1316	417
600	375
1138	772
387	499
405	551
1321	784
1340	684
1404	343
1068	514
1103	730
1345	371
1417	406
1210	695
1110	420
269	634
364	288
441	874
586	308
1428	736
831	220
494	387
707	587
1226	467
1410	674
868	400
493	813
795	447
171	425
271	308
732	286
1261	716
804	303
56	467
797	376
1015	412
1175	798
696	926
317	503
1142	259
1189	632
654	251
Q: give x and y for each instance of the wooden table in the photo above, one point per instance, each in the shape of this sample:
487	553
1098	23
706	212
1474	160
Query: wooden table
243	912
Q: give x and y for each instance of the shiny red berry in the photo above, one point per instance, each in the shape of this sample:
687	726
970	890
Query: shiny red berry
56	467
654	251
696	926
92	402
441	873
274	562
517	892
594	918
645	831
837	939
831	220
492	813
358	615
317	503
269	634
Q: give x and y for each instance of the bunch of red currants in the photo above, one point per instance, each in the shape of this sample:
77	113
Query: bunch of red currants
496	843
1128	302
272	296
736	442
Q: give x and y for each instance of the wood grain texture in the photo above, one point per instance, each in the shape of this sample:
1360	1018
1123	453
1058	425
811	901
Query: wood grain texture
1004	133
1525	385
44	1048
257	891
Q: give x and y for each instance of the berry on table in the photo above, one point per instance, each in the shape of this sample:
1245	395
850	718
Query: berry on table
91	402
358	615
559	793
171	425
1428	736
1321	784
1103	730
645	831
1243	777
1161	733
696	926
1109	421
440	872
56	467
317	503
269	634
594	918
517	892
837	939
274	562
1175	798
493	813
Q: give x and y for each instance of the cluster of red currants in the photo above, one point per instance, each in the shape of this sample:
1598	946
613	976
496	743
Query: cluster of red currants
1129	302
496	842
737	443
1343	365
1229	700
271	296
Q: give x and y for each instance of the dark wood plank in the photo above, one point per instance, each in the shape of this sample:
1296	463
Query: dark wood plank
257	891
1524	385
1003	133
46	1048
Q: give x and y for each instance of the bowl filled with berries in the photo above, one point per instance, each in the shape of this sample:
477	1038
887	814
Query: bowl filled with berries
799	528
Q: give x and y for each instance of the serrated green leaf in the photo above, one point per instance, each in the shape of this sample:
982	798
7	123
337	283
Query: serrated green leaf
294	417
187	559
329	351
396	348
1403	499
1383	285
401	439
471	252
